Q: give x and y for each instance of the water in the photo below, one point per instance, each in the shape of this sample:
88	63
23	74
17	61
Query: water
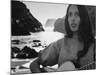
46	38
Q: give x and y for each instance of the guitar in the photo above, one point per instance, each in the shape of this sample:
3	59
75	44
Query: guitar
69	66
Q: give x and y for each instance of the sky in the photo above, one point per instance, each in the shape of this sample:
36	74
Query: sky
43	11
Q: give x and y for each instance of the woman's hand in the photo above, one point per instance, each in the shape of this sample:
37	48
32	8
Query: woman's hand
35	66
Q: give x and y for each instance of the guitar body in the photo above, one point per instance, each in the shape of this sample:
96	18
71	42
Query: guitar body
67	66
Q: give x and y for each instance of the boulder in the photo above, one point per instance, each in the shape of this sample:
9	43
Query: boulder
22	21
27	52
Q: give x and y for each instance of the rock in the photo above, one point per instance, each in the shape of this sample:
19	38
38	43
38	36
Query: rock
14	50
50	23
22	21
59	25
21	55
27	52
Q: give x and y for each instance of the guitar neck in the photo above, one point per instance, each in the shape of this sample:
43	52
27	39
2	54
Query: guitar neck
88	66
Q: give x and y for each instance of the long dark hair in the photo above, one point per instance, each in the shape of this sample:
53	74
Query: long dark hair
85	34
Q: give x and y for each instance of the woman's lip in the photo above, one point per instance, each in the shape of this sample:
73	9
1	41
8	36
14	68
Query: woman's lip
73	25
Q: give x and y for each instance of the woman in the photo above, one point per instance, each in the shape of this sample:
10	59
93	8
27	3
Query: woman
76	48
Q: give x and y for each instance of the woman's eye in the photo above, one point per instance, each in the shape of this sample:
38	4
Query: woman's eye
76	14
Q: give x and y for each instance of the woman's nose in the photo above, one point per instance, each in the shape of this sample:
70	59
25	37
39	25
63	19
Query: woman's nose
73	18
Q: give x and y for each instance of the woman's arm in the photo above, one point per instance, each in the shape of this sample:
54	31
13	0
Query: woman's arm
47	57
35	66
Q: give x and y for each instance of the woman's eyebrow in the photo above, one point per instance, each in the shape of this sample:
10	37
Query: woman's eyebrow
69	13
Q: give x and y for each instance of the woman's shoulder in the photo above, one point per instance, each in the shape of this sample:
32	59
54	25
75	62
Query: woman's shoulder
62	39
60	42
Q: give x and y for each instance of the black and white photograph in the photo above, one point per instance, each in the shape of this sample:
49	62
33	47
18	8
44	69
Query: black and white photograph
52	37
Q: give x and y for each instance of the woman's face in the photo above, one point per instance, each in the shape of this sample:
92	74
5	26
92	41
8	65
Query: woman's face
73	18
